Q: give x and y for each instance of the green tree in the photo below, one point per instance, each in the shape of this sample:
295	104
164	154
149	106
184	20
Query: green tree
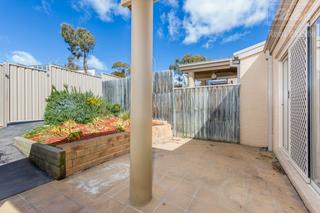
81	42
71	65
186	59
121	69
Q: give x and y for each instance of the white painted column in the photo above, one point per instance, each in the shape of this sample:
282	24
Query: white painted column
191	79
141	102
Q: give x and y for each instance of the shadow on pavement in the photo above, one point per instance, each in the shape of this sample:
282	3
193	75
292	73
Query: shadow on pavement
19	176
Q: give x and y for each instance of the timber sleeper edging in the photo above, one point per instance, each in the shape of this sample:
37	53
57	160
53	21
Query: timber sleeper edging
66	159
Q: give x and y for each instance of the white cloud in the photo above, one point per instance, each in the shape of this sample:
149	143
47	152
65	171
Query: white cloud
94	62
106	9
160	32
21	57
174	24
234	37
213	17
44	6
210	42
172	3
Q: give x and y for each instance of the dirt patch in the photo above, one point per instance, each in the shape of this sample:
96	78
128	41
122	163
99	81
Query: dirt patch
277	166
265	156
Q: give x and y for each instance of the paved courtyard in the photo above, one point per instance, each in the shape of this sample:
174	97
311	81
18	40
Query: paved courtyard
18	174
8	152
198	176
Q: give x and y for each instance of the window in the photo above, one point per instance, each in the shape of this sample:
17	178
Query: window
315	106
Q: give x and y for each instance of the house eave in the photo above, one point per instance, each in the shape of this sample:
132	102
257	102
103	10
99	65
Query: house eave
279	23
206	65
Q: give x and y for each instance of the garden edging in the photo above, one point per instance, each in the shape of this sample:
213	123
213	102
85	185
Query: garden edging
66	159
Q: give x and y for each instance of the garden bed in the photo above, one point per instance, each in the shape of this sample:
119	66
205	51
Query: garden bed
61	158
81	130
65	159
71	131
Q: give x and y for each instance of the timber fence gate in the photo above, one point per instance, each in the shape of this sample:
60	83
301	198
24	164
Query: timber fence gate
211	112
24	89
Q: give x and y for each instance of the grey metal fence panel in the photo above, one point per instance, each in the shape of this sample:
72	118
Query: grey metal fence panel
61	76
210	113
24	89
2	95
27	93
118	91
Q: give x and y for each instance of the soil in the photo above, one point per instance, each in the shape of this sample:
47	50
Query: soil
103	126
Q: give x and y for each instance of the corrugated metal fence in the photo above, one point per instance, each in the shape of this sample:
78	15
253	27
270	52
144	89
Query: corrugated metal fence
24	89
118	91
210	113
202	112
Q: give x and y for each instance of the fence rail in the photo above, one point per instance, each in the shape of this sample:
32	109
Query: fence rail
24	89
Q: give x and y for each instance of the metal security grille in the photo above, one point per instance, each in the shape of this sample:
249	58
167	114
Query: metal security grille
299	102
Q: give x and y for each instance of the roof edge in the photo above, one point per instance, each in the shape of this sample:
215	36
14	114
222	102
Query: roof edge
252	50
279	23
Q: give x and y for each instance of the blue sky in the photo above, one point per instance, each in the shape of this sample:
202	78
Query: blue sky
30	30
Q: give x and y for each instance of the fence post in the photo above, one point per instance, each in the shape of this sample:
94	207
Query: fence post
6	93
173	96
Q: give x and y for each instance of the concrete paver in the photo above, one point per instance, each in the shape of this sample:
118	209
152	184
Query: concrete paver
198	176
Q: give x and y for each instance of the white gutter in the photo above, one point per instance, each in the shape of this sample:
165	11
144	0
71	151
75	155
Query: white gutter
270	100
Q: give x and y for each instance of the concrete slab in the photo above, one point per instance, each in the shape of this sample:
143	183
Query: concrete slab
8	152
198	176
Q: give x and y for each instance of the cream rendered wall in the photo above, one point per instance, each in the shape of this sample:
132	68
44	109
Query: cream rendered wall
279	51
253	100
304	12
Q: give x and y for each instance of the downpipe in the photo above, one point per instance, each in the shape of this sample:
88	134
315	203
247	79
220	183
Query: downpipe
270	100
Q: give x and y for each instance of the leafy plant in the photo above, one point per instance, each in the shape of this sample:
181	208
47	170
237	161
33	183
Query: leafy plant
36	131
79	107
74	136
113	109
124	116
120	126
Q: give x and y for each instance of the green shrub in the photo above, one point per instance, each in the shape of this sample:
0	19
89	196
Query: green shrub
73	105
124	116
74	136
113	109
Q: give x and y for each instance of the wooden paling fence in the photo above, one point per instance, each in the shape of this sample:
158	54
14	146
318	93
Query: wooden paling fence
118	91
210	112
